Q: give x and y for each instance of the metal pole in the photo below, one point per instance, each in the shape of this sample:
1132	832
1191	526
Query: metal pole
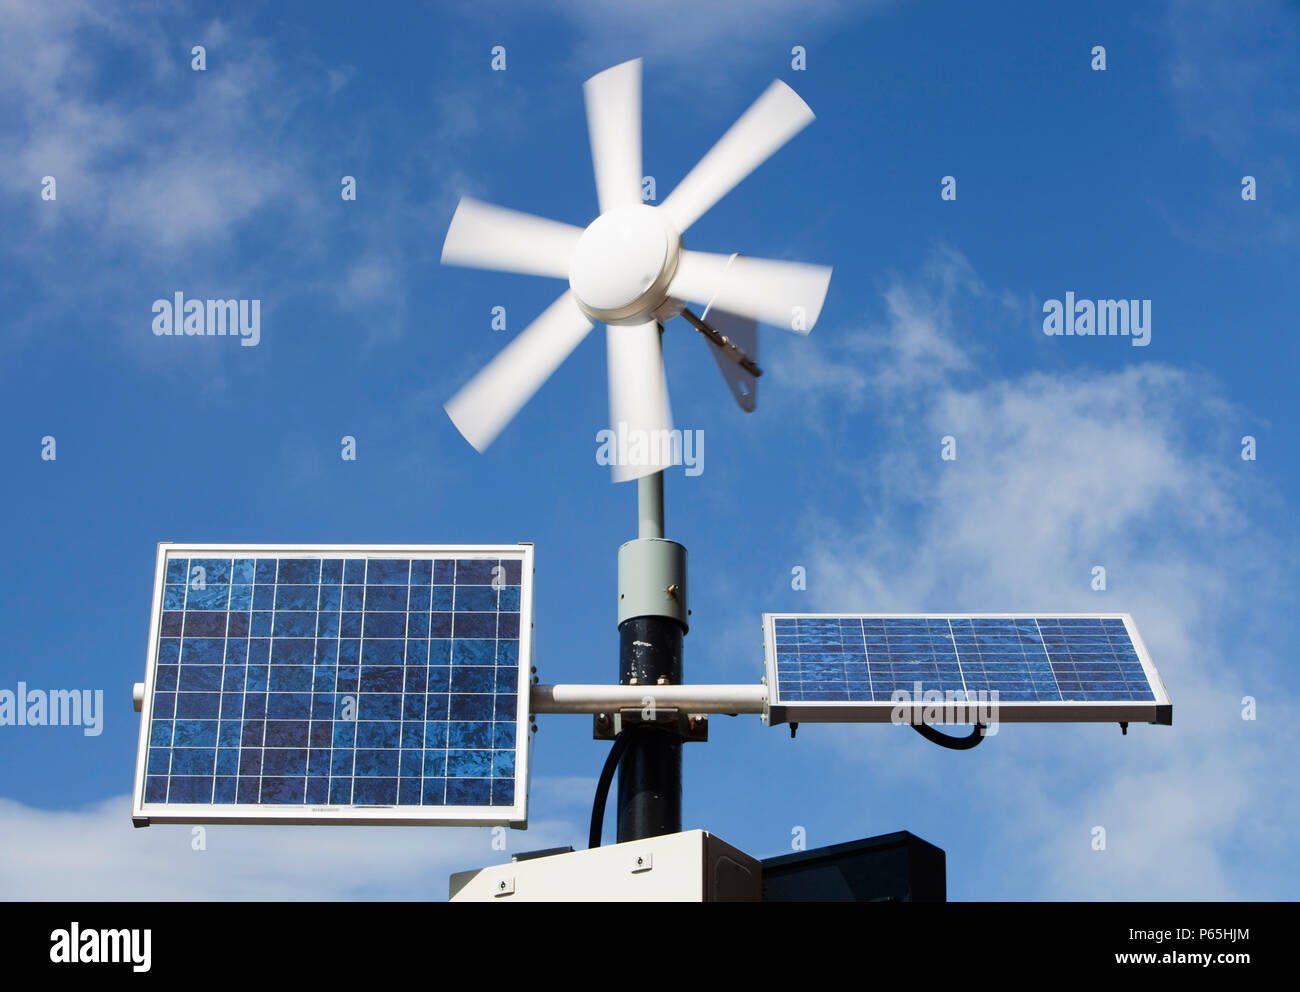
652	623
650	506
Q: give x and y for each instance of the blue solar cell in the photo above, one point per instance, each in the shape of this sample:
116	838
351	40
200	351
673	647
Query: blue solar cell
350	681
1029	658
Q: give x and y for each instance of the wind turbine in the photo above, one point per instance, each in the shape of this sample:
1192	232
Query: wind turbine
629	269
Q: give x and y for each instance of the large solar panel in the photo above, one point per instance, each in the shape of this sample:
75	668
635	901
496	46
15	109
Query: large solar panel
340	683
872	667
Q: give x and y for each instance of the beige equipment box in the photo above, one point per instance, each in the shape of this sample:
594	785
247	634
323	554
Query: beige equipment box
693	866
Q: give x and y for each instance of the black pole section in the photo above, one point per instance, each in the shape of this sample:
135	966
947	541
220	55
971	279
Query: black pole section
650	773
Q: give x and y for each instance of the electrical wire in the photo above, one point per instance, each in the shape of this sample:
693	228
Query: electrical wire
602	788
954	743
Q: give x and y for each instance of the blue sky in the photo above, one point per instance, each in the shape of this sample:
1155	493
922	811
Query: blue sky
1072	452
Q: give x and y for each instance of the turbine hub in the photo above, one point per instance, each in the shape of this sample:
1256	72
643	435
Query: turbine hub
623	263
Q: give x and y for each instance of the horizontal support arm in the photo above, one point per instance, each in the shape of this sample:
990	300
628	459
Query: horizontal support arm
606	698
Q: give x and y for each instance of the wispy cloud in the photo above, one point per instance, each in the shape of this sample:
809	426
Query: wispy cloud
171	179
95	854
1232	74
1227	88
164	157
930	334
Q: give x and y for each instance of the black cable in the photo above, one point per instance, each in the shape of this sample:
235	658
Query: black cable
602	788
955	743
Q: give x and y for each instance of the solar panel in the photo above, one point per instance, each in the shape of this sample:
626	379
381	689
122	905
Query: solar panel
337	683
873	667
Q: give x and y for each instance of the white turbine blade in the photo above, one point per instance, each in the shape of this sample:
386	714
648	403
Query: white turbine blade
487	402
784	294
773	119
639	413
614	123
484	236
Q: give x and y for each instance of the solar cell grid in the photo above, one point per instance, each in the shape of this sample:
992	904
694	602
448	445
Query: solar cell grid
1024	659
337	679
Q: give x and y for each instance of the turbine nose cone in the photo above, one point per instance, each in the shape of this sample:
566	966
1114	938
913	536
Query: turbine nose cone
622	256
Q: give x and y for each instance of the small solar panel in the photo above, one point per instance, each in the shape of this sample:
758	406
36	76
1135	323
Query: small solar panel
875	667
339	683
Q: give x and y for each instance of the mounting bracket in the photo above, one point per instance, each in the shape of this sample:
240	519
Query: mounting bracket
729	347
687	726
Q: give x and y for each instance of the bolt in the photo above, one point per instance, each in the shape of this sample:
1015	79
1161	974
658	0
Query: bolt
672	590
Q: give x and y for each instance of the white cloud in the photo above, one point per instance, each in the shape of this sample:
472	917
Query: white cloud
368	281
820	377
1056	473
95	854
916	346
339	78
172	179
563	791
158	160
